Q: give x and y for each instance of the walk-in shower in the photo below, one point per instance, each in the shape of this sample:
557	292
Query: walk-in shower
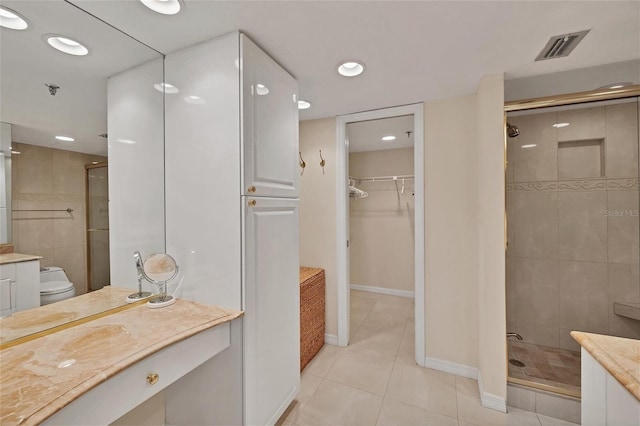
573	234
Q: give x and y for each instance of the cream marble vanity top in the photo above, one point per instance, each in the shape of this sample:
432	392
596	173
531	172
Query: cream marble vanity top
24	324
619	356
17	257
42	376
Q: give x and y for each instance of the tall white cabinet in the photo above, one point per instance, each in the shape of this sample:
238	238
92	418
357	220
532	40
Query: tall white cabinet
232	219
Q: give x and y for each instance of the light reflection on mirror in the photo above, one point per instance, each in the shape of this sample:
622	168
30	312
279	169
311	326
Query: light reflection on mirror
46	93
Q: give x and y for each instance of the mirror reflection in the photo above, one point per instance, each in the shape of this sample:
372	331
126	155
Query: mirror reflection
54	177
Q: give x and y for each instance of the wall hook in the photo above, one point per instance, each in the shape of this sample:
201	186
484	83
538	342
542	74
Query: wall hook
302	164
322	162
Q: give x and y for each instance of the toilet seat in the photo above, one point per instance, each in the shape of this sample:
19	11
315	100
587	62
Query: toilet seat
55	287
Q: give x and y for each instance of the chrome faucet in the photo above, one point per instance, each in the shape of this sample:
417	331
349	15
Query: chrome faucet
516	335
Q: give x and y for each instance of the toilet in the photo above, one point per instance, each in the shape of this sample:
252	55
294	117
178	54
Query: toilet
54	285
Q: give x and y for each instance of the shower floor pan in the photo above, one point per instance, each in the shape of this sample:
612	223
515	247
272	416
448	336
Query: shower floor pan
551	369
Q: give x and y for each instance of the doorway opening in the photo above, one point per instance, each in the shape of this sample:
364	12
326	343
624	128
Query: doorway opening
380	227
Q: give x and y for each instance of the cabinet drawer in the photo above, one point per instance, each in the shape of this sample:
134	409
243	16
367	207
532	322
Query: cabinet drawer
8	271
121	393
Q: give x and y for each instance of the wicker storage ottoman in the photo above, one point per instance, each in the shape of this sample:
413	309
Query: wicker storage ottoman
311	313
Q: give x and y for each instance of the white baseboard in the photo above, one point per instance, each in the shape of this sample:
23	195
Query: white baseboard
382	290
331	339
451	367
490	400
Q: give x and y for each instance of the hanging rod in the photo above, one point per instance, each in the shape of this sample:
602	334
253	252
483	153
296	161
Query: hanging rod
383	178
44	210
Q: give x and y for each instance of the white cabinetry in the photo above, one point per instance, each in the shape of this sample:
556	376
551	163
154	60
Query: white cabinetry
604	400
19	286
232	211
269	125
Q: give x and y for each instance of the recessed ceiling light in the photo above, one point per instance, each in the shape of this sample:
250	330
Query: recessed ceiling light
166	7
619	85
12	20
65	138
560	125
304	104
127	141
351	68
531	145
388	138
66	45
15	152
261	89
94	162
167	88
192	99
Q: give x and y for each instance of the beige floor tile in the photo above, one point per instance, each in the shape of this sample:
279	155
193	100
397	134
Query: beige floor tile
337	404
407	353
470	410
356	319
385	320
422	387
362	372
394	413
308	386
550	421
324	360
383	343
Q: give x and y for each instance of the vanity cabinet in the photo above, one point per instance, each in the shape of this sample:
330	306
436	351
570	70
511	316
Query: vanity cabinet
19	286
232	182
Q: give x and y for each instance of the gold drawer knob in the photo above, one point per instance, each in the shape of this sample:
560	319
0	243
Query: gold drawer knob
152	378
252	203
251	189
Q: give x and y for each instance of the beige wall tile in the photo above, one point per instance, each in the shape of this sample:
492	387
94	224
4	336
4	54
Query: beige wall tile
538	334
34	169
68	172
624	285
554	406
584	123
581	160
535	224
72	260
69	229
583	226
584	296
621	144
567	342
539	163
34	229
623	226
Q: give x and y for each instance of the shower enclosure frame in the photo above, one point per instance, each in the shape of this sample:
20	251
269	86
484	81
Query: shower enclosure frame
544	102
87	213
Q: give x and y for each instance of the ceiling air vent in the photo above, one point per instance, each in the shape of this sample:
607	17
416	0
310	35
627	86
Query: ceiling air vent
562	45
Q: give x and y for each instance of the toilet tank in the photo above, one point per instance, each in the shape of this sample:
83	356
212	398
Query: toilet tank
52	273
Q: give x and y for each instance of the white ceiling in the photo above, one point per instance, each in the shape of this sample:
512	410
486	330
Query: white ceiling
367	135
414	50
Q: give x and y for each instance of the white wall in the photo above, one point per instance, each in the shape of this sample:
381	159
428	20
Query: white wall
572	81
451	277
381	226
5	190
491	242
136	169
318	209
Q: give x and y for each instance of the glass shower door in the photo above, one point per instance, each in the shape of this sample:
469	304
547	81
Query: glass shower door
98	226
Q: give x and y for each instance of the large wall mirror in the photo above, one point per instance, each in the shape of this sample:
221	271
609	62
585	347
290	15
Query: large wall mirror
58	154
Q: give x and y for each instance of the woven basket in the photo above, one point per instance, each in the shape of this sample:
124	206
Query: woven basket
312	302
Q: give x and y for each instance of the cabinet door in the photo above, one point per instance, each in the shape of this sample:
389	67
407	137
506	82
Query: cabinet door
269	125
5	297
272	308
27	285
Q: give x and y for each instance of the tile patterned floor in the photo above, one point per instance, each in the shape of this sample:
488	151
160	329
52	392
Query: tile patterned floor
550	366
375	381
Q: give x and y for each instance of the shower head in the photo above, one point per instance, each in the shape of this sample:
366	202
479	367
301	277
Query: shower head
512	131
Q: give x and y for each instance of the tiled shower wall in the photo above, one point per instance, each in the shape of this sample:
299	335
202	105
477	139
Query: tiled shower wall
573	224
47	178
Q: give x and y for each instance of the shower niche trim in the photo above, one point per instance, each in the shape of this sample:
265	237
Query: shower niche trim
581	159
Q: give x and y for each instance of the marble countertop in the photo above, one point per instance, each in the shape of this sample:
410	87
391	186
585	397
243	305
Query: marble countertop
36	320
619	356
17	257
42	376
